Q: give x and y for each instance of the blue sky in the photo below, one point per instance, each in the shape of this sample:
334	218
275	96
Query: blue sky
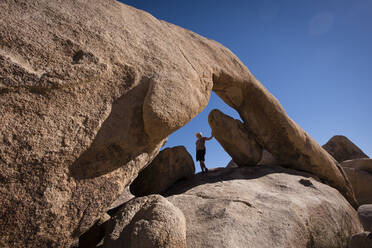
314	56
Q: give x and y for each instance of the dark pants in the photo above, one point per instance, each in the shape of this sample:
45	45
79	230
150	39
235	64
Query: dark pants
200	155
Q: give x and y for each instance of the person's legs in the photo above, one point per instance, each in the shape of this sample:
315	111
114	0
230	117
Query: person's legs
204	168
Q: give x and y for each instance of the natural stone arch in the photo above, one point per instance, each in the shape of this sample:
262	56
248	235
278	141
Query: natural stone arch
66	80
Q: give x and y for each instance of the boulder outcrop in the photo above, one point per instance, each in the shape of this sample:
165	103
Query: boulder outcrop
365	216
171	165
341	148
237	141
359	174
146	222
263	206
86	103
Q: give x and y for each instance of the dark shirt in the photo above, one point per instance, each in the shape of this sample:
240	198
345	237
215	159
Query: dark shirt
200	143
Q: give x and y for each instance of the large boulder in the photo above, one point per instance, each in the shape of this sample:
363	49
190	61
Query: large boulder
359	174
341	148
365	216
90	90
237	141
146	222
171	165
263	206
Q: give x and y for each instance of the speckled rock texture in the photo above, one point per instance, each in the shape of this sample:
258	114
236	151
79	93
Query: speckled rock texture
234	137
90	90
359	173
341	148
171	165
146	222
263	207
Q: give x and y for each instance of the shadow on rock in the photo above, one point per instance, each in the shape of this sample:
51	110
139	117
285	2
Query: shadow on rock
120	139
226	174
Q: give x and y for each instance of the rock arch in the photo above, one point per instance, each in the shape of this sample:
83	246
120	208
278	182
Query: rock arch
66	81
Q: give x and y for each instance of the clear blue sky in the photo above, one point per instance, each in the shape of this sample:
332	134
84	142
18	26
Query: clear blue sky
314	56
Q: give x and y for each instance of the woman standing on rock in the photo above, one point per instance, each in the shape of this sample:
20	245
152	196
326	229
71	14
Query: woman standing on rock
200	150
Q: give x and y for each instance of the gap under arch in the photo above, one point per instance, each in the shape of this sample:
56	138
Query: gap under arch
216	156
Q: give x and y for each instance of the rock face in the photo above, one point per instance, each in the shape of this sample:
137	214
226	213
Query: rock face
146	222
263	206
86	103
365	216
341	148
360	176
171	165
361	240
237	141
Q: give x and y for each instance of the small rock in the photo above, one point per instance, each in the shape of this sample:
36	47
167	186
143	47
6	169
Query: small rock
147	222
171	165
267	158
361	240
232	164
365	216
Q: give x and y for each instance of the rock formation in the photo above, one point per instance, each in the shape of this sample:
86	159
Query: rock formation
171	165
263	206
359	172
341	148
237	141
146	222
365	216
89	92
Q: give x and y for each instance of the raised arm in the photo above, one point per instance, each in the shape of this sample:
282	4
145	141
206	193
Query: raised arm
209	137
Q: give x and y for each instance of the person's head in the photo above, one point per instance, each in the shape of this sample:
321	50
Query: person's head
198	135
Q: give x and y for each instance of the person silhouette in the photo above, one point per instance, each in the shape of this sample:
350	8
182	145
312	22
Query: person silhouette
200	150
